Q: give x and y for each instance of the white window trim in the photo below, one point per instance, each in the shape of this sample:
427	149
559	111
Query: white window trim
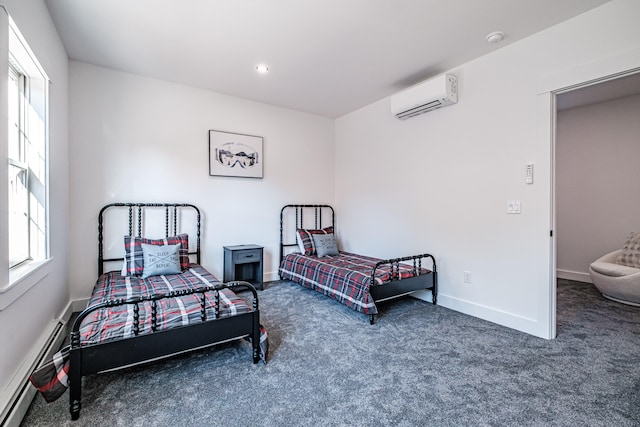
21	279
28	274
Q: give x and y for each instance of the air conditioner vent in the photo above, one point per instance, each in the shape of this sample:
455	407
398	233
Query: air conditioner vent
426	96
419	109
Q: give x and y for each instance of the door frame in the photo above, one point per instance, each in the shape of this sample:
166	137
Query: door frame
605	69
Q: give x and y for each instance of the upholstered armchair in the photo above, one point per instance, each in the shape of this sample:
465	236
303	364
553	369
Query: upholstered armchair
617	274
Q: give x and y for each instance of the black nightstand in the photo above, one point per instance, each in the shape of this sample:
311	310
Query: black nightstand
243	262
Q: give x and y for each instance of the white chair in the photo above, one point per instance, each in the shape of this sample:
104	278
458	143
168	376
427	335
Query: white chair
615	281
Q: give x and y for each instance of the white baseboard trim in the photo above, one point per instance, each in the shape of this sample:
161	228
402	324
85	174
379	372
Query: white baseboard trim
573	275
509	320
270	277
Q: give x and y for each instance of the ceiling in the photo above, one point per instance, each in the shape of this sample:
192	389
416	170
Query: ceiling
326	57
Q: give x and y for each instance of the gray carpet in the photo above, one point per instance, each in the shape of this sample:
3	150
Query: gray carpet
418	365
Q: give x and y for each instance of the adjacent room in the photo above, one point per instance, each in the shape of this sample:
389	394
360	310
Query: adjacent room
596	148
320	212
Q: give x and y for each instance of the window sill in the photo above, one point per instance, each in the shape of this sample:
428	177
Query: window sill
21	279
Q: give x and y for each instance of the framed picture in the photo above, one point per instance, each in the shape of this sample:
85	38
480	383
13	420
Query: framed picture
235	154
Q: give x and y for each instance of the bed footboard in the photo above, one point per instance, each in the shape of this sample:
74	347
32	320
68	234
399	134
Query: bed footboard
94	358
397	286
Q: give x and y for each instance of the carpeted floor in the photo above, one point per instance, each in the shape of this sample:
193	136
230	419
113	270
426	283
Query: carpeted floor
419	365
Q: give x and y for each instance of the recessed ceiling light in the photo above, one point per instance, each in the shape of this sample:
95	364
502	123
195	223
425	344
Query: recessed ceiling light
495	37
262	68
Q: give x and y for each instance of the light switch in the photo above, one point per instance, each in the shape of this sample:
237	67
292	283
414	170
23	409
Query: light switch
513	207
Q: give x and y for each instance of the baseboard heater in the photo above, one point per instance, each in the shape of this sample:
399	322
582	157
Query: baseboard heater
16	407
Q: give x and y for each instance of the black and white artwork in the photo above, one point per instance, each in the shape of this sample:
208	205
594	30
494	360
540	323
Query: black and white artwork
235	154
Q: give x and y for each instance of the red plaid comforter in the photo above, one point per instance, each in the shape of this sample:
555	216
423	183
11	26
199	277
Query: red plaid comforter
345	277
117	322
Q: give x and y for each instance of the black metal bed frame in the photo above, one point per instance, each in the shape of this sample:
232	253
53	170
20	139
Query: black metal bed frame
94	358
136	211
379	292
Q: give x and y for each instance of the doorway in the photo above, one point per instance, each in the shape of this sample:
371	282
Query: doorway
611	78
596	172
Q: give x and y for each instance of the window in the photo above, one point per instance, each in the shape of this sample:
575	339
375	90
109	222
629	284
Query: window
27	154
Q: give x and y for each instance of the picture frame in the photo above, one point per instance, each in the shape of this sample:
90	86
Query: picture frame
235	154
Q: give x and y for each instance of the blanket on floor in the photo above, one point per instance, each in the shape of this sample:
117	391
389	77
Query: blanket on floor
52	380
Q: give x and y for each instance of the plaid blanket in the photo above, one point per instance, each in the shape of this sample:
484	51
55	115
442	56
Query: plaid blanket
113	323
117	322
51	379
344	277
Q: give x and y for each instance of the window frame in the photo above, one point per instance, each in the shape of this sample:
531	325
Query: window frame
24	275
19	159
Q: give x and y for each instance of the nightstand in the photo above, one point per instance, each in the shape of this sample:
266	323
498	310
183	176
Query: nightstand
243	262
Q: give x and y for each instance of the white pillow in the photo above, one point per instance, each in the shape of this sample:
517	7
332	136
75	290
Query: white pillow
300	244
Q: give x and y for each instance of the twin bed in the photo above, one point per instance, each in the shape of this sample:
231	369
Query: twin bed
309	256
156	303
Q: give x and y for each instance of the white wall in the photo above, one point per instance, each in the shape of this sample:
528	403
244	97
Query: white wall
24	320
440	182
597	176
137	139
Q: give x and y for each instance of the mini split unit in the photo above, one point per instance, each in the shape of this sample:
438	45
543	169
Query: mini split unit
429	95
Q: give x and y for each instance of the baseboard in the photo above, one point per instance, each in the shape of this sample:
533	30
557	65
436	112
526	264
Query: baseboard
19	393
270	277
509	320
573	275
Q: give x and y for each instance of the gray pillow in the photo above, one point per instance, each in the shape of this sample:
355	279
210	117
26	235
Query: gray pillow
160	259
325	244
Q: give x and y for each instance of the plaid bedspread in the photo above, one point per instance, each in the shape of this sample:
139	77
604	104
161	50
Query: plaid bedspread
117	322
344	277
114	323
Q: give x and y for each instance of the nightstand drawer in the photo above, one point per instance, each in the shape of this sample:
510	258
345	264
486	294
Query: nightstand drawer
252	255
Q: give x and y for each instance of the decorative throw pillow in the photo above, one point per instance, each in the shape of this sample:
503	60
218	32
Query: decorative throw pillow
304	236
159	260
134	258
325	244
630	255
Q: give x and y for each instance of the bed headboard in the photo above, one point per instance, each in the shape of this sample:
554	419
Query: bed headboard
145	220
293	217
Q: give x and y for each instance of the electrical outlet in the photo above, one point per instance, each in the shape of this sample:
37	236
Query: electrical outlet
467	277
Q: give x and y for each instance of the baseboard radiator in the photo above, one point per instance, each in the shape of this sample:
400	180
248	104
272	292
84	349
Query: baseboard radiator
15	404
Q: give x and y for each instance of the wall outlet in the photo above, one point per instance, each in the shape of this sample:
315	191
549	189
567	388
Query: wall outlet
467	277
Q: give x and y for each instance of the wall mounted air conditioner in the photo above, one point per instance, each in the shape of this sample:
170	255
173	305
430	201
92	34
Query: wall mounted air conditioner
429	95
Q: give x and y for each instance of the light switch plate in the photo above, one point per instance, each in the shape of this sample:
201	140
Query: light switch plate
513	207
